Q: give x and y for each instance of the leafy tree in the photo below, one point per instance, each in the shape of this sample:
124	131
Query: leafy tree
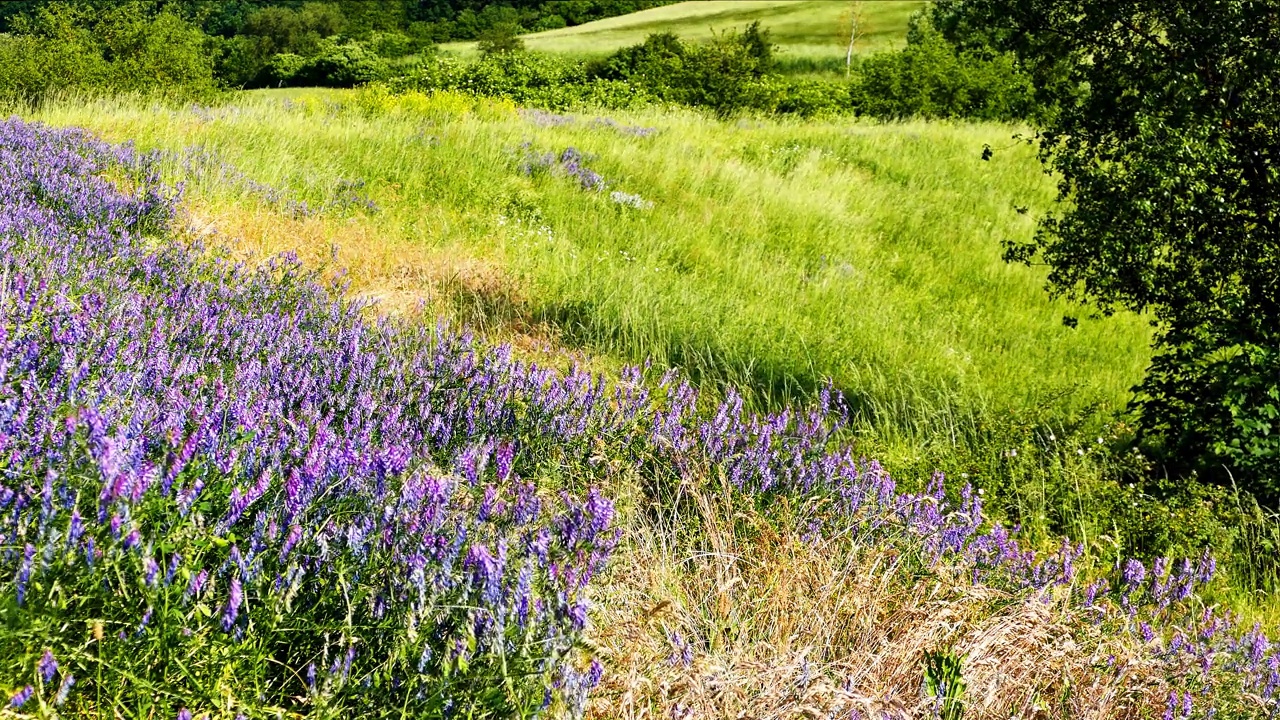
500	39
1165	144
931	78
128	46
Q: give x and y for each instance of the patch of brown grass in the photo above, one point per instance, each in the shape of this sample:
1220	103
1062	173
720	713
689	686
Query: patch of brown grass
403	276
397	273
784	626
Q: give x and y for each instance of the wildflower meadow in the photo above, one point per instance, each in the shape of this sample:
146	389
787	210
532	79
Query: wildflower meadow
231	490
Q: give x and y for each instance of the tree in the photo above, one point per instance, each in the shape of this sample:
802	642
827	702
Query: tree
855	30
1165	144
500	39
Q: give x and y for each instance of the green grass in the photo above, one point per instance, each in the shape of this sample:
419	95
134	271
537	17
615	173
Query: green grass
777	254
804	30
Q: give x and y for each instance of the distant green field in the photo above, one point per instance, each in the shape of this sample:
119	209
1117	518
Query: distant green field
808	29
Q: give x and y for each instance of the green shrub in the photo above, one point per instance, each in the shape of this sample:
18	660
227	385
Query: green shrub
724	75
337	64
809	98
500	39
32	67
343	64
930	79
116	48
284	68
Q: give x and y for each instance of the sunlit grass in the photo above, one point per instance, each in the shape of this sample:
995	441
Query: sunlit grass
776	255
805	29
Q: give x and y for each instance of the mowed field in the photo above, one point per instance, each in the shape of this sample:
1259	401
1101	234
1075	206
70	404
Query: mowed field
764	253
800	28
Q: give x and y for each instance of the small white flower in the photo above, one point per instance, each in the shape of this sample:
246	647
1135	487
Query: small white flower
1080	451
1051	437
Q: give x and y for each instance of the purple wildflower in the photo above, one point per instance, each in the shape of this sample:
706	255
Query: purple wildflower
48	666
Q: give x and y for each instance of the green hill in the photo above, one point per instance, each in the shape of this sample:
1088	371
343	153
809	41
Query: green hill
801	28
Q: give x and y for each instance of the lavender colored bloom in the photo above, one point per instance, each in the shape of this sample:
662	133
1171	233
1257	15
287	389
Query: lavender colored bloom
24	572
64	689
20	698
197	584
1134	574
682	653
630	200
48	666
234	598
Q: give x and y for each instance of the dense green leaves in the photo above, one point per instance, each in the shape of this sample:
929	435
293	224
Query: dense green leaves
1165	144
931	78
123	47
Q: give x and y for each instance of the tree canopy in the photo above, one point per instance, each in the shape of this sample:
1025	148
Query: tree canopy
1165	141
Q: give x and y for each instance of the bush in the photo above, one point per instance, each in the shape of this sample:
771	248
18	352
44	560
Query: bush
117	48
343	64
724	75
337	64
501	39
809	98
930	79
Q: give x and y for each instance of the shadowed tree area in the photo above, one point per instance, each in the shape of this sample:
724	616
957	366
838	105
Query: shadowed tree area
1165	146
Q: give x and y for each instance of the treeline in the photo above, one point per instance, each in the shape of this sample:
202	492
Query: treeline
256	43
433	20
197	49
738	72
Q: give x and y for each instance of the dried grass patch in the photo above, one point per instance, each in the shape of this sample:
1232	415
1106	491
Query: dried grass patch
784	626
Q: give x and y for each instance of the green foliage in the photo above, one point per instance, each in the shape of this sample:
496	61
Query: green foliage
531	79
1165	145
931	79
502	38
118	48
335	64
944	683
723	75
734	73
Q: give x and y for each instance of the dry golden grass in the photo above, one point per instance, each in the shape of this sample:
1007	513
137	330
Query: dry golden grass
402	276
782	626
398	274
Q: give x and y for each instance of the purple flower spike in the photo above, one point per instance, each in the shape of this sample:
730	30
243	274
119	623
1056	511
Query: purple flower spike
20	698
48	666
232	611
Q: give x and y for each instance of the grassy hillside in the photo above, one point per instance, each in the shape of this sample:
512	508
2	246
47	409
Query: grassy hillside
811	29
768	254
430	521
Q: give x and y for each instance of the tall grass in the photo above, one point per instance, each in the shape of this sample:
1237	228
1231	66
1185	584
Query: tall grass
767	254
776	254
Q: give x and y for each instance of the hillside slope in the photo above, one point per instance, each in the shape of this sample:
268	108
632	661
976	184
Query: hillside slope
801	28
230	491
